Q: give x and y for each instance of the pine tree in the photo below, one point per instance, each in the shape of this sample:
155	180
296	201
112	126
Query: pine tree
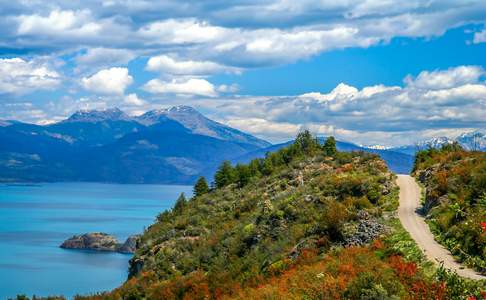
306	143
330	146
243	175
225	175
201	187
180	203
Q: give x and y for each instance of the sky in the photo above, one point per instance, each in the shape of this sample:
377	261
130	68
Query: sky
371	72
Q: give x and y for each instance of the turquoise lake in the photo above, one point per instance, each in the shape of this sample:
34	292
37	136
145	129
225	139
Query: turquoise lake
36	219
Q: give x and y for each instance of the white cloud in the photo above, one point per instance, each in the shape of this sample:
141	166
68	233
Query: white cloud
440	79
194	86
108	81
99	57
225	88
374	114
248	34
168	65
459	95
133	99
180	31
20	76
480	36
273	131
78	23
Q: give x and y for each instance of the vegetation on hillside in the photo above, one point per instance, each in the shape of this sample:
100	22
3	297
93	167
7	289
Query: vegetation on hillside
455	200
306	222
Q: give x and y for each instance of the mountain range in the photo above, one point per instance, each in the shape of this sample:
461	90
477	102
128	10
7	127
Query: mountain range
173	146
473	140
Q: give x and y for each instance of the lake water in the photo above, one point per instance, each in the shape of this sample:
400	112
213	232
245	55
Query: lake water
35	220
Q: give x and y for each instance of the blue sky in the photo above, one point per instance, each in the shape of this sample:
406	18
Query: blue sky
371	72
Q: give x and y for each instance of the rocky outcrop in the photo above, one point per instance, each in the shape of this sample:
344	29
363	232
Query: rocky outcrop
100	241
130	244
367	229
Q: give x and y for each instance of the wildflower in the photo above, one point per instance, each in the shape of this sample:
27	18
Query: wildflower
483	225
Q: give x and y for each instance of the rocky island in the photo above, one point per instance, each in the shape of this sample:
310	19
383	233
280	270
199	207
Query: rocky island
100	241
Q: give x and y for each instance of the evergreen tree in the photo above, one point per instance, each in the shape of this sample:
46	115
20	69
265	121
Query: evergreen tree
243	175
254	168
267	167
306	143
330	146
225	175
180	203
201	187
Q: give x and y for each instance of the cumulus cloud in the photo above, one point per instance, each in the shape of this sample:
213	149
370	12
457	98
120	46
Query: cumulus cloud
103	57
192	87
76	23
273	32
20	76
449	78
373	114
108	81
181	31
167	65
133	99
480	36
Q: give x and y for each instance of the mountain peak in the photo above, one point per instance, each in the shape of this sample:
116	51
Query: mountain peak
156	115
111	114
182	109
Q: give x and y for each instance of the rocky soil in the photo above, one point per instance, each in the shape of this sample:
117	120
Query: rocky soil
367	229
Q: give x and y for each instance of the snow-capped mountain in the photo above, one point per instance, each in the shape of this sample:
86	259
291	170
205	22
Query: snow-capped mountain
474	140
199	124
93	116
376	147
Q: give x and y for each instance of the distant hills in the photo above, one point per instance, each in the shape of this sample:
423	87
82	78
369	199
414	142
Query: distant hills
174	146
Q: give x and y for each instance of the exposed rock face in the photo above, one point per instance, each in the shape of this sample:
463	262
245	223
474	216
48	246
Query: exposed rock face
100	241
130	244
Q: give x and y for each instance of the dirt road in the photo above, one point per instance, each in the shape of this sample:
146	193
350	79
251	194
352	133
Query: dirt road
419	230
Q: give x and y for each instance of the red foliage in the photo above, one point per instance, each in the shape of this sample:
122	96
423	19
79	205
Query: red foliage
404	270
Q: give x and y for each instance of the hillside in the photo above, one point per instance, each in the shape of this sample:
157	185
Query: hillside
455	200
400	163
306	222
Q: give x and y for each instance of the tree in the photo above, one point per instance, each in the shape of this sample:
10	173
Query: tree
330	146
201	187
455	146
267	166
306	142
225	175
180	203
243	175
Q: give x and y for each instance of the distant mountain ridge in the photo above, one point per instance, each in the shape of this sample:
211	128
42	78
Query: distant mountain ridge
199	124
174	145
473	140
162	146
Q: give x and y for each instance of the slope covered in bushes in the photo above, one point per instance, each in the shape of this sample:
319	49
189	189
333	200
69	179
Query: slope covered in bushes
306	222
455	200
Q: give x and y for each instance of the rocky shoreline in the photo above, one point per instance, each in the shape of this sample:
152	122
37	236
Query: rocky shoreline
100	241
